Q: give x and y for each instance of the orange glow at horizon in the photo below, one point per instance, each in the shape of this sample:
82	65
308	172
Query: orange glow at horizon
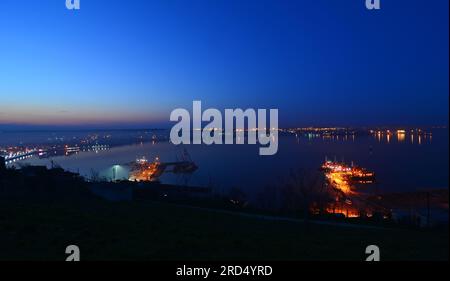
31	115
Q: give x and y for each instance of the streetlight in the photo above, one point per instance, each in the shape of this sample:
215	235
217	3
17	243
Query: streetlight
114	170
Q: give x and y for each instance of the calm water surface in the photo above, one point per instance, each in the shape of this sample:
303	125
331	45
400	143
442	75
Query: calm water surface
400	164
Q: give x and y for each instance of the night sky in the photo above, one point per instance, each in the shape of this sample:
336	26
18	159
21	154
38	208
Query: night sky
127	64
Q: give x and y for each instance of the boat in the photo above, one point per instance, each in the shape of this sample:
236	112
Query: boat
352	173
142	170
362	175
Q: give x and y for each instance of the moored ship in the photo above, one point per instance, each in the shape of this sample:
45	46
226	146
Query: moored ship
351	173
142	170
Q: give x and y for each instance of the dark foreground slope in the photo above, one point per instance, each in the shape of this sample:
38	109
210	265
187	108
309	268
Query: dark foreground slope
160	231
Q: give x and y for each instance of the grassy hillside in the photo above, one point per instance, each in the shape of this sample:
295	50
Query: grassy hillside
158	231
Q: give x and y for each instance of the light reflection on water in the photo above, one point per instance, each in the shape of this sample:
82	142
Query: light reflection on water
400	165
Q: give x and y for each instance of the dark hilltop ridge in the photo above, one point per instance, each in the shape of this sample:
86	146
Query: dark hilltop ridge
43	208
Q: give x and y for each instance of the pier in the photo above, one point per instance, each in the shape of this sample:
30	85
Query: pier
13	157
142	170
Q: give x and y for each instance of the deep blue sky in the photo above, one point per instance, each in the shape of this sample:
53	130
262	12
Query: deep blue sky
128	63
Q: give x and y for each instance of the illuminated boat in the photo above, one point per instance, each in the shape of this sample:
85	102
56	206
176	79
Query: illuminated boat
333	166
362	175
142	170
352	173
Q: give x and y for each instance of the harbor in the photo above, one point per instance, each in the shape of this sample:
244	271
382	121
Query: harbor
142	170
242	179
